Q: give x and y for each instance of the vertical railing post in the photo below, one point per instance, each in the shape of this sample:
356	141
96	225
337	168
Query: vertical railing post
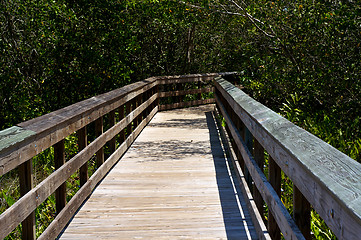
138	103
248	139
199	87
177	88
302	213
182	87
121	116
98	132
258	153
133	125
82	143
145	97
128	110
157	90
26	184
239	125
59	160
112	142
274	174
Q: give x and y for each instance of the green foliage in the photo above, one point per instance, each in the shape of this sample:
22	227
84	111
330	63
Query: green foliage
319	228
301	58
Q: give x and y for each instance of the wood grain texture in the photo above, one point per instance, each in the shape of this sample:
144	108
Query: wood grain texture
270	196
27	204
191	77
258	153
26	184
330	180
185	92
302	213
256	214
12	137
59	160
62	219
173	183
186	104
112	142
274	177
98	132
53	127
82	143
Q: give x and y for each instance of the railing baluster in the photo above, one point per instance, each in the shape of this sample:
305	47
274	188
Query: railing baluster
121	116
82	143
274	175
112	143
59	160
26	184
156	90
98	132
248	139
128	110
138	103
302	213
258	153
199	87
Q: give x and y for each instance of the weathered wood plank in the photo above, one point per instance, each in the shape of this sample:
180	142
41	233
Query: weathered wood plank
185	92
173	183
121	110
186	104
11	137
112	142
275	205
14	215
253	208
26	184
274	177
187	78
302	213
330	180
191	77
82	143
128	109
59	160
55	228
98	132
55	126
258	153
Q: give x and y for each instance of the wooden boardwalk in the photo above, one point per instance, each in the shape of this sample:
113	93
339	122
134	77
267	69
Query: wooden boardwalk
173	183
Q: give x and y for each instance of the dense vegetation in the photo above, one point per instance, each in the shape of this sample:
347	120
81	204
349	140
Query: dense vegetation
301	58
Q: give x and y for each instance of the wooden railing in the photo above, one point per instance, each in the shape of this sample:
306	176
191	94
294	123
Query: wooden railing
135	105
322	176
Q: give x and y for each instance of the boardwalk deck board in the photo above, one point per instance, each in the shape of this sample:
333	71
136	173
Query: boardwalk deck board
173	183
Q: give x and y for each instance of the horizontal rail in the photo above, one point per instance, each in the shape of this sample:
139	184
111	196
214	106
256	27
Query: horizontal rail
19	144
191	78
251	205
327	178
185	92
45	131
186	104
70	209
285	221
14	215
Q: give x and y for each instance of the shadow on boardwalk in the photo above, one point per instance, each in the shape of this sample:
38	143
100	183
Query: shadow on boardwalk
230	194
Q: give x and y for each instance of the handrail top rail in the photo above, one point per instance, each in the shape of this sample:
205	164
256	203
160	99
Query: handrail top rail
11	137
20	137
339	174
25	138
197	75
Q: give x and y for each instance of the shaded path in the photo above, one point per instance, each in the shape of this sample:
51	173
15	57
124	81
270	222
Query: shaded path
173	183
